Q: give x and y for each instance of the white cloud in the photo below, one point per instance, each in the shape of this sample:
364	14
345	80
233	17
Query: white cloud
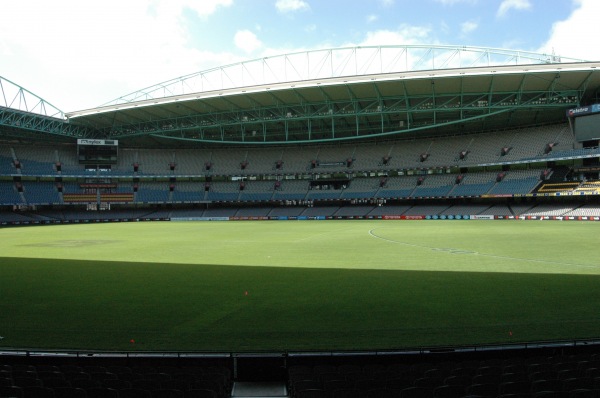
247	41
574	36
371	18
392	59
285	6
387	3
108	48
406	34
508	5
202	8
468	27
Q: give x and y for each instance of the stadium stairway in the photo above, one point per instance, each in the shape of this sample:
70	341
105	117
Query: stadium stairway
260	377
259	390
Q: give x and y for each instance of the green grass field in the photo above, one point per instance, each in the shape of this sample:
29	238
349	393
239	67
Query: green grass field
297	285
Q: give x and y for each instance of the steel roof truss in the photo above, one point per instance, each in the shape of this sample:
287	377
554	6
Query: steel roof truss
32	122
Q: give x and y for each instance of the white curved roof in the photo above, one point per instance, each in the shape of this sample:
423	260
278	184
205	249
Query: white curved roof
336	63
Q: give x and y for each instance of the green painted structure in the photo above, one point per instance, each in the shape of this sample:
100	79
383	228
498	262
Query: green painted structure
332	95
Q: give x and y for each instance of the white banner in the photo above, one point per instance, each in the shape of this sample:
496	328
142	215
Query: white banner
481	217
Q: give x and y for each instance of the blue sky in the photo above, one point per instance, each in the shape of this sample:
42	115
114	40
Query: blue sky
78	54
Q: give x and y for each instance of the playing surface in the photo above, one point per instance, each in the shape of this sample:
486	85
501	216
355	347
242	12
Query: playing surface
297	285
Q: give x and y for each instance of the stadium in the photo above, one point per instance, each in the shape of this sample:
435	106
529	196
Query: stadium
329	223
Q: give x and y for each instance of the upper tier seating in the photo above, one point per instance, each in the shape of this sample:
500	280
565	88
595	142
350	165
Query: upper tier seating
517	182
458	151
188	192
398	187
434	185
361	188
9	194
41	193
475	184
152	192
291	190
7	166
257	191
36	160
223	191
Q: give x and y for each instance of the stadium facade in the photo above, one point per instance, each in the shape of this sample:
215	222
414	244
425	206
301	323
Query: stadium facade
350	132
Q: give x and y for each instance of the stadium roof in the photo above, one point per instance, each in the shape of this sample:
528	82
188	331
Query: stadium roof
347	94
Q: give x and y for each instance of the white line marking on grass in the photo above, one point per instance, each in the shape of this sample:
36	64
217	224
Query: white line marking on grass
460	251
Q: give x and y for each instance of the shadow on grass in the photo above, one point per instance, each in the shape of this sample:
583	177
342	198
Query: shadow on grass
65	304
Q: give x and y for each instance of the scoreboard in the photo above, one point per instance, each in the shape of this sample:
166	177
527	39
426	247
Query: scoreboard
586	122
97	152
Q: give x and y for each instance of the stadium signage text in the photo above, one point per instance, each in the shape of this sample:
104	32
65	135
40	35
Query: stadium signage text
584	110
84	141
